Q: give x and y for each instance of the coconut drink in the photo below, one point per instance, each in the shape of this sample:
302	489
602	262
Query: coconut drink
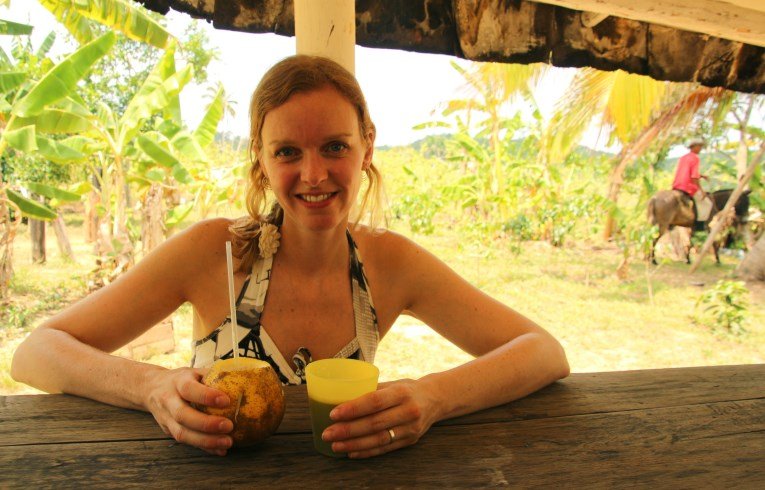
257	399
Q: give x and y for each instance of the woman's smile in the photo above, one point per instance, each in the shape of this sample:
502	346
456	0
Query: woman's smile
317	200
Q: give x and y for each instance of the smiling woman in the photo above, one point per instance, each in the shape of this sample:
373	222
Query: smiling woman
299	272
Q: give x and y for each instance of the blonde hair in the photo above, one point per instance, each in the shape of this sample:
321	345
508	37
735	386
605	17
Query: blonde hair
299	74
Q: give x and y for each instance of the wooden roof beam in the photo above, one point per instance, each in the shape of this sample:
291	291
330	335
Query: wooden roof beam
736	20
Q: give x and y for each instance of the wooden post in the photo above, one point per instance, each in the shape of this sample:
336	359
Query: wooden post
728	209
327	28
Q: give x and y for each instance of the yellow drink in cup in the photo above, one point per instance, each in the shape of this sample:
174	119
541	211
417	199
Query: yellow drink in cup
330	383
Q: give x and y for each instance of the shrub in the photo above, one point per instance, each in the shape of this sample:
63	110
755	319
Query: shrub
724	307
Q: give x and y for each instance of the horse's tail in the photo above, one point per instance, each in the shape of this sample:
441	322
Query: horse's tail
652	211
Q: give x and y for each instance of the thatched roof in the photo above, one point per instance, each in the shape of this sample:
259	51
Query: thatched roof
713	42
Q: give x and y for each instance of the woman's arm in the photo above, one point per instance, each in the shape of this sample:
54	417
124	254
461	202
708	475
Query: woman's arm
69	352
515	357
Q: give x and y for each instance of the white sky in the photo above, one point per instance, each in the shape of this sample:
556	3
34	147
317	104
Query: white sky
403	89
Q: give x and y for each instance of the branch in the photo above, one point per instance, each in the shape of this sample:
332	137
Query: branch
728	209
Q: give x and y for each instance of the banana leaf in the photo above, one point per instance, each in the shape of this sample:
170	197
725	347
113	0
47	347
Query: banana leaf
30	208
22	139
53	192
121	15
44	48
205	132
182	175
82	187
62	79
141	107
10	80
77	25
55	121
176	215
188	147
172	111
14	28
156	152
155	175
28	141
58	152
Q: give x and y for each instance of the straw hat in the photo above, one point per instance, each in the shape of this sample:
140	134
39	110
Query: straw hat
696	141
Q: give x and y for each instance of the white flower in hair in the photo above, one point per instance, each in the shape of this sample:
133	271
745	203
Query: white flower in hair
268	242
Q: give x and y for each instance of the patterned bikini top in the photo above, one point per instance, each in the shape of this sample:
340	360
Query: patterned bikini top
253	340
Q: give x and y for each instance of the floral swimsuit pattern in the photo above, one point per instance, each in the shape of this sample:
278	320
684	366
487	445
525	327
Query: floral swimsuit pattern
253	340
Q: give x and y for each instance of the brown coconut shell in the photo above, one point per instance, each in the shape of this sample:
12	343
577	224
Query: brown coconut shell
257	398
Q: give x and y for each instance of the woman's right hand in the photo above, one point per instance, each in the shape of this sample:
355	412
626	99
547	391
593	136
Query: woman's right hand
171	397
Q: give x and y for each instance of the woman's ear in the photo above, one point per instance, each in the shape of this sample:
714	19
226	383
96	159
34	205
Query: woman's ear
370	150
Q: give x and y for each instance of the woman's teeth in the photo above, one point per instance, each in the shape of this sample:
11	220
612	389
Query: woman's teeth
315	198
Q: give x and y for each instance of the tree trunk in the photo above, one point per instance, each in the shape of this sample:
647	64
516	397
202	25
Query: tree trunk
753	265
37	235
153	231
8	225
91	217
617	179
62	238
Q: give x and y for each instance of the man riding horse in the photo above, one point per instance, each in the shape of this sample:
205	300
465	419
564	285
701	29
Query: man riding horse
688	177
667	209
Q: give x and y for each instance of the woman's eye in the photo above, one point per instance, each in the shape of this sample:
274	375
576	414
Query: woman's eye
285	152
336	147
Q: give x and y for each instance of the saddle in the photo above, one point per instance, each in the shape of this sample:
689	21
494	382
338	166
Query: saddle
699	210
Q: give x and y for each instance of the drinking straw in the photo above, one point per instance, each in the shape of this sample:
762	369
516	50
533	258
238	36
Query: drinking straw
231	299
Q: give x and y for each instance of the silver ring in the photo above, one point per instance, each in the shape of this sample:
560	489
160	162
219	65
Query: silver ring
392	436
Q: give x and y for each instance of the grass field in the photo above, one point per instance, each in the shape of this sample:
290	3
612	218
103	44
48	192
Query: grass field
604	323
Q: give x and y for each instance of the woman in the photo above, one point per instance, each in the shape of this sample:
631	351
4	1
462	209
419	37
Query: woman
312	143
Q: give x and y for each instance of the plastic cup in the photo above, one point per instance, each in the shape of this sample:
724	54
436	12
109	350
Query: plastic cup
330	383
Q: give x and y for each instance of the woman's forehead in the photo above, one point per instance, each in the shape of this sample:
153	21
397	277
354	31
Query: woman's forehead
321	110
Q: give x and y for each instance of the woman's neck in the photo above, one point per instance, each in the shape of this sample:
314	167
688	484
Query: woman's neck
312	252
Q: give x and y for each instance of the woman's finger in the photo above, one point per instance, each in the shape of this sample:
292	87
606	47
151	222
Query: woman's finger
379	421
201	422
373	402
201	440
376	444
195	392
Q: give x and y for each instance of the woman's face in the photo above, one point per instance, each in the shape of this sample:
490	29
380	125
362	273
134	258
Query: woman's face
313	156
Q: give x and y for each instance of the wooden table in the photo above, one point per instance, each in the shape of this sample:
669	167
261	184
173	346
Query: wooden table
690	427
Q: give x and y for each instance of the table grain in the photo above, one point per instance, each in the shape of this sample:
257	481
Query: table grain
667	428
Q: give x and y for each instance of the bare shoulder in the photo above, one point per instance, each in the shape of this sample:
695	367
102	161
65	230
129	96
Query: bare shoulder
186	256
205	239
385	248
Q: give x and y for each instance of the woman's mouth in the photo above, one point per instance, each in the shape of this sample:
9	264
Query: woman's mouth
315	197
317	200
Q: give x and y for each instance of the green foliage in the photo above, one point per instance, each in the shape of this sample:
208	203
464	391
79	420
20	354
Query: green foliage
197	52
724	307
418	208
127	17
19	317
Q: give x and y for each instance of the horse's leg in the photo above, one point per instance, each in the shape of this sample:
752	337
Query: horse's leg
687	247
662	230
716	247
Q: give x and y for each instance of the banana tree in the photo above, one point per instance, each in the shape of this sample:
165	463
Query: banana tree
114	142
27	102
171	157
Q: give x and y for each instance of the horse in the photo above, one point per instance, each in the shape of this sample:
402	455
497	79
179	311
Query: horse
667	210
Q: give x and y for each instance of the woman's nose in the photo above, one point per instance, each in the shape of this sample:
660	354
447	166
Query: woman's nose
314	170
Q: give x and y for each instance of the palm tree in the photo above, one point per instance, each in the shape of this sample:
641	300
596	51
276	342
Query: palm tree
638	112
489	87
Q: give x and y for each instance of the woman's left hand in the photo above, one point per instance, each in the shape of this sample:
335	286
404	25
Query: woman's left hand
394	416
